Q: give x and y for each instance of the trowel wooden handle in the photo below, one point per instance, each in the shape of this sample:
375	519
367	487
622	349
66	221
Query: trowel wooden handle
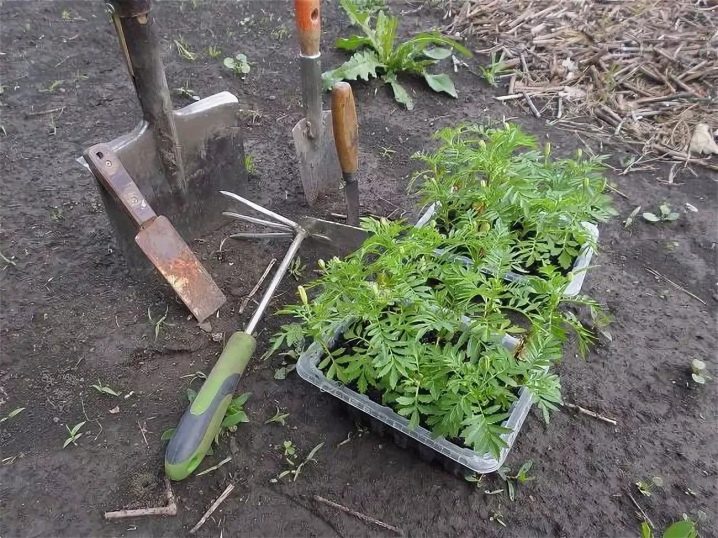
108	170
307	13
346	130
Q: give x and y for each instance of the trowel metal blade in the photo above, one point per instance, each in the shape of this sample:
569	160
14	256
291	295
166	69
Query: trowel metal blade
169	253
319	166
342	238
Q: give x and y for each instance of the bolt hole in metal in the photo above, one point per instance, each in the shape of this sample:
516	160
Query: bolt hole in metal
100	155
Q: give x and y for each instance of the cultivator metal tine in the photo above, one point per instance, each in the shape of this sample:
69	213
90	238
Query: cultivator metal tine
260	235
255	220
288	223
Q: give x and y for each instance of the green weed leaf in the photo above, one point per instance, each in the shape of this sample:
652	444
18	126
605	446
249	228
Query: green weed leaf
352	43
681	529
437	53
400	94
362	65
235	418
441	83
12	414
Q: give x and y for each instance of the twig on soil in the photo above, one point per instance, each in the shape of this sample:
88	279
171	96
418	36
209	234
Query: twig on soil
215	467
614	189
678	287
590	413
143	430
643	513
45	112
7	260
256	287
359	515
212	508
533	108
169	510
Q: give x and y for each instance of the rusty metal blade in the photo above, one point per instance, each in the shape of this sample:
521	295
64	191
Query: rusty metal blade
318	161
168	252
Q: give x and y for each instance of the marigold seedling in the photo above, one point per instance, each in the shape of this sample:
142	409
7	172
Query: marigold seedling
423	310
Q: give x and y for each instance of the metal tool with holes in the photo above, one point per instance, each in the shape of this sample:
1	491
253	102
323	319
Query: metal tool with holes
313	135
179	159
201	422
157	238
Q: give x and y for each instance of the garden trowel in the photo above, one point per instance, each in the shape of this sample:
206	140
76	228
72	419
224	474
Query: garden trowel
179	159
157	238
313	135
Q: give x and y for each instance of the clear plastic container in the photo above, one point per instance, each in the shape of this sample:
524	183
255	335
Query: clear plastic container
455	458
384	420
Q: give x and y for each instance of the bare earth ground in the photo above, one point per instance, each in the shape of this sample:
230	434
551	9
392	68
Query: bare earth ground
72	315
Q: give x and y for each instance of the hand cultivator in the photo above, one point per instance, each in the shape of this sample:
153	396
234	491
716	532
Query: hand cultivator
201	422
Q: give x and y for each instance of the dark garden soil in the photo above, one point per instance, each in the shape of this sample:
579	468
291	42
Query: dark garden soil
71	314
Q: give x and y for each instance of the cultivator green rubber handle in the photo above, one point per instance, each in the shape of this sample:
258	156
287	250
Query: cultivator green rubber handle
201	423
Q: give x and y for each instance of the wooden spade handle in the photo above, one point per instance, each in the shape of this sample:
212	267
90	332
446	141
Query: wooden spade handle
307	13
346	129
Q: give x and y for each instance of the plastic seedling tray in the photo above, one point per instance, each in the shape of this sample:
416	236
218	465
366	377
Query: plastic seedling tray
580	266
455	458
